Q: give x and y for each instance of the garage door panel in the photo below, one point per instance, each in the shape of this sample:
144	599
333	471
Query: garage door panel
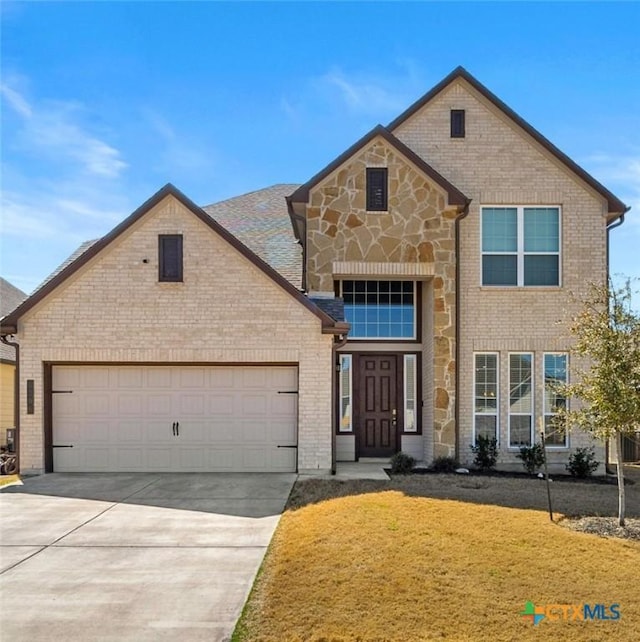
161	377
191	378
95	378
158	405
130	458
96	458
252	404
130	404
122	418
159	459
218	404
130	378
191	405
284	405
95	404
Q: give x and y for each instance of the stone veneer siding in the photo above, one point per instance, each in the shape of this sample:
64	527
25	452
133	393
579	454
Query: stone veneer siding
419	227
226	311
497	163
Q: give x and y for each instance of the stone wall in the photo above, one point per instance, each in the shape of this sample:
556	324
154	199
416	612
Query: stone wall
418	228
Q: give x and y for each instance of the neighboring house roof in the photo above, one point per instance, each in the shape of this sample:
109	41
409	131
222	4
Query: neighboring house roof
456	197
260	220
615	205
10	298
9	323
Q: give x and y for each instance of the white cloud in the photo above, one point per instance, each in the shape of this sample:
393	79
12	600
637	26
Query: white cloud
16	101
361	94
376	94
53	128
179	152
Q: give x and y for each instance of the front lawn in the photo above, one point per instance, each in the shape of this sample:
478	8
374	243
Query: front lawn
392	565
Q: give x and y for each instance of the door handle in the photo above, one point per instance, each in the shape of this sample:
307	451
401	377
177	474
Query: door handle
178	428
394	417
173	428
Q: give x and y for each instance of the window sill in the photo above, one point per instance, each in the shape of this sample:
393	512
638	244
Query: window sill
522	288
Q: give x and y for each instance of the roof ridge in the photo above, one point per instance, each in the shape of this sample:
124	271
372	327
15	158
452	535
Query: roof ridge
615	205
255	191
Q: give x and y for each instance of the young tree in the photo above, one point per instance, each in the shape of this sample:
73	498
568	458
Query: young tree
607	338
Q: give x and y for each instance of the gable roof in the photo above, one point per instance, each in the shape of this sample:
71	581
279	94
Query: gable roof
456	197
615	205
261	221
10	298
9	323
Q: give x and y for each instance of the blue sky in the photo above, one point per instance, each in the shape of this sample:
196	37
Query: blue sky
105	102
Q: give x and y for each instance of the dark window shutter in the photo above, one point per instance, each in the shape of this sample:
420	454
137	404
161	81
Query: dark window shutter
457	123
377	189
170	257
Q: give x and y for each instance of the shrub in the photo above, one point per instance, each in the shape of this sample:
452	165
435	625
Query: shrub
582	463
445	465
532	457
486	453
402	464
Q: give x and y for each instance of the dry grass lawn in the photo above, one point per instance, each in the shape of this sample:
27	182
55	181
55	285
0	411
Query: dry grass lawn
385	562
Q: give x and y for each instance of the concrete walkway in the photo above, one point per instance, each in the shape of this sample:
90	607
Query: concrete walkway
133	556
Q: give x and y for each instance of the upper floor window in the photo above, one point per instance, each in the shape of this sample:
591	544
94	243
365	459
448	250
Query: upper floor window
377	189
457	123
521	246
170	257
380	309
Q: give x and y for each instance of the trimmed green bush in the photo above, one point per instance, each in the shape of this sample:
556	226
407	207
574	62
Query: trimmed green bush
582	463
532	457
402	464
445	465
486	453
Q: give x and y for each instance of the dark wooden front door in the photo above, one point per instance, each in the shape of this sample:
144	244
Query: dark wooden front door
377	408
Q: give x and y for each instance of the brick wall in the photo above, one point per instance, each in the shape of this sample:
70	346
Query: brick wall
226	310
497	163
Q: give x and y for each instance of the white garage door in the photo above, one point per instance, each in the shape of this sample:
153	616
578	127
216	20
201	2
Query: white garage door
174	418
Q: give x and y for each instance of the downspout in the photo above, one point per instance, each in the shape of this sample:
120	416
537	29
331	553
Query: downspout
617	223
16	394
302	239
465	213
342	340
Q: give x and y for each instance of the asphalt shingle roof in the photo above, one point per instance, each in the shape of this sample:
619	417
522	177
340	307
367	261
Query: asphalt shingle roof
260	220
10	298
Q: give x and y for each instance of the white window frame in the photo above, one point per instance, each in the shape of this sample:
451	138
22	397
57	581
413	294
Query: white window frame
414	358
520	253
341	395
545	412
531	414
414	337
473	406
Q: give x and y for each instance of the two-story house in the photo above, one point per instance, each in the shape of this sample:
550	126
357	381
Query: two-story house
213	339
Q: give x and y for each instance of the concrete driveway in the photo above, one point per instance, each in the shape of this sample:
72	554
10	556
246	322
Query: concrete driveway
88	557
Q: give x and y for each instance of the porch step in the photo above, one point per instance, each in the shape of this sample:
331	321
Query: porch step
373	460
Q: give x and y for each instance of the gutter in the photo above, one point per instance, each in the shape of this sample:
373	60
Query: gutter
612	226
456	417
16	394
341	341
302	240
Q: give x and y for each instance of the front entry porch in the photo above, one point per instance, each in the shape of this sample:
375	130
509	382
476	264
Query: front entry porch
378	405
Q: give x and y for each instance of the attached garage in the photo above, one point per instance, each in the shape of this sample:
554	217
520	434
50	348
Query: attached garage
186	418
